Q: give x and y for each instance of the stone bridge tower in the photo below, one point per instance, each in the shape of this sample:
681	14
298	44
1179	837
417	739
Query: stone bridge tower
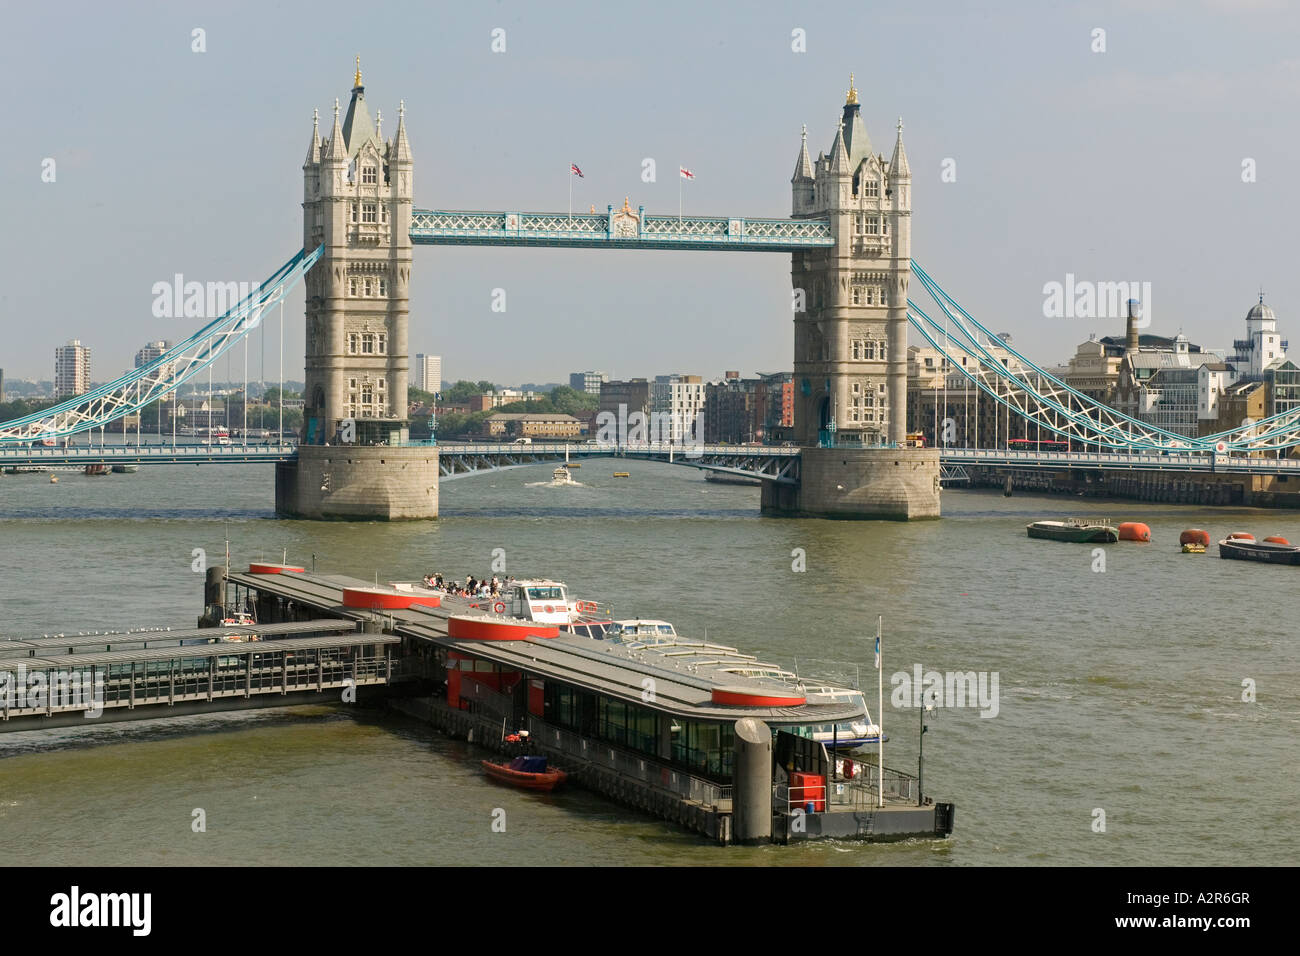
354	459
850	334
357	201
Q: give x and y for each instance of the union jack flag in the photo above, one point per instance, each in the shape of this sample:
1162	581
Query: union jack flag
576	171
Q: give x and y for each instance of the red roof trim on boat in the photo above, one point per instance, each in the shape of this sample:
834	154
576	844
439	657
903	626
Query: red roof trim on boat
378	599
259	568
486	629
747	698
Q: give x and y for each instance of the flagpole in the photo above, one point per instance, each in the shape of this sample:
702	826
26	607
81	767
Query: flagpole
570	192
679	196
880	711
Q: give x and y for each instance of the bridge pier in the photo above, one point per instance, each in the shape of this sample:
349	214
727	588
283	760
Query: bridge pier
359	482
899	484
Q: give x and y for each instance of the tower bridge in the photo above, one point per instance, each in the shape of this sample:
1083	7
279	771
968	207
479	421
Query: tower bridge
849	238
849	241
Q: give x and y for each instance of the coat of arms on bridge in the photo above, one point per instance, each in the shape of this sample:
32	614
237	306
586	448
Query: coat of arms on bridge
625	224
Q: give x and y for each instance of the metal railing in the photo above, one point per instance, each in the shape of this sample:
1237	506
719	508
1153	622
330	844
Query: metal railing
483	701
859	792
579	448
1152	460
644	769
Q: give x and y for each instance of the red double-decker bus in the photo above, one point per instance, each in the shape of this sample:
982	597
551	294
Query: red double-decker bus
1035	444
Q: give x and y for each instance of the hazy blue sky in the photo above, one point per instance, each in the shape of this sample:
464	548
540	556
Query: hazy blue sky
1122	165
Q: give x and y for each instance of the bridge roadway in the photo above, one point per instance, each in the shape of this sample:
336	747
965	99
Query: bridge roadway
774	463
1131	461
14	455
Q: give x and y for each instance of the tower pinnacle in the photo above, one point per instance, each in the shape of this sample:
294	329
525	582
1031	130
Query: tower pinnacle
852	98
357	81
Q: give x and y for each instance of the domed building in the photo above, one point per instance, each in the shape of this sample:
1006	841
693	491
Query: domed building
1263	346
1259	380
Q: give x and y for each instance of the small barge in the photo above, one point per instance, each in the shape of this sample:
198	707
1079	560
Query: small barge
1078	530
1272	550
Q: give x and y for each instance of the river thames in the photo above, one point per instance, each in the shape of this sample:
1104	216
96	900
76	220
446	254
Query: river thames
1120	684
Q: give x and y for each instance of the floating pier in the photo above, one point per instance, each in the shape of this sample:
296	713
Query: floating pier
667	733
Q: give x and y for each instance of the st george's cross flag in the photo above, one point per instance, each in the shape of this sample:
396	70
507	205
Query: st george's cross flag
686	173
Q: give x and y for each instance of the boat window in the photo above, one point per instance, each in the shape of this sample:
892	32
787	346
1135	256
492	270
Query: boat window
666	629
546	594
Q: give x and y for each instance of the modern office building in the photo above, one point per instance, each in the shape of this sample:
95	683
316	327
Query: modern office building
71	369
152	351
634	395
428	373
676	403
588	382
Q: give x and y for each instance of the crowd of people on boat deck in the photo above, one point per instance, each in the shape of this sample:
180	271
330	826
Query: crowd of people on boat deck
470	588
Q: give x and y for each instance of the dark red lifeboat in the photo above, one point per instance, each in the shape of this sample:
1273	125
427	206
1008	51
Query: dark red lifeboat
529	773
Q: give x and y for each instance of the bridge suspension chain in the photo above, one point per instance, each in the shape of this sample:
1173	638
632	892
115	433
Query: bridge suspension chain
1043	399
151	382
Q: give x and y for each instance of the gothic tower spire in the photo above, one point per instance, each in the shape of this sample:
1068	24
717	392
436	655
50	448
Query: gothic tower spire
313	150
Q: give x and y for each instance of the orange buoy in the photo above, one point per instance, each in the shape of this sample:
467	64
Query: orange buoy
1134	531
1241	536
1195	536
1276	539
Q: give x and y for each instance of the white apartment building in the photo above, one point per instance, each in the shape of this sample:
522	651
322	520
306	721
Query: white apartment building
71	369
428	373
677	401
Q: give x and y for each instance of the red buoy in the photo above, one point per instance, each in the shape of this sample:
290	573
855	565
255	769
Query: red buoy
1195	536
1276	539
1134	531
1241	536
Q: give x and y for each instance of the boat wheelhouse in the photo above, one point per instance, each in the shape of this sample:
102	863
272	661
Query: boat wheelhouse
547	602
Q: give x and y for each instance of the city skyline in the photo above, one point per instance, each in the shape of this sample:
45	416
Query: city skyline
235	213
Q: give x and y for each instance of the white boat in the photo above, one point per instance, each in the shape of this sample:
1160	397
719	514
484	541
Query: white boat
561	475
639	628
548	602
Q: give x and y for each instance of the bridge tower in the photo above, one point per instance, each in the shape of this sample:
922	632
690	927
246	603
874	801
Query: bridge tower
850	335
355	460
